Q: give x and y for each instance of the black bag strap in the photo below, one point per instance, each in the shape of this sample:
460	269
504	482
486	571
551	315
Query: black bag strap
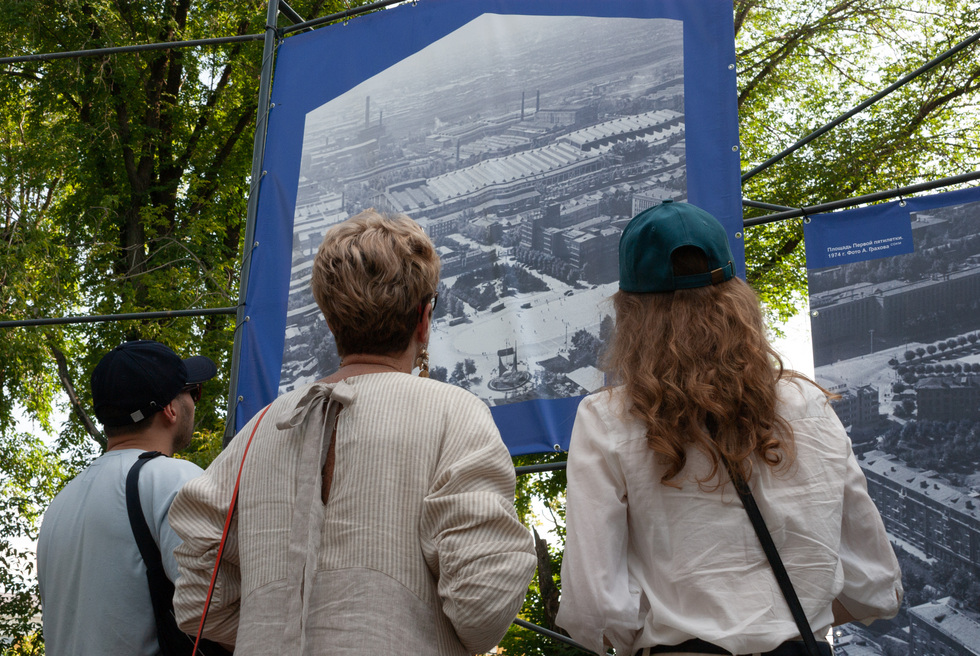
759	524
161	587
171	639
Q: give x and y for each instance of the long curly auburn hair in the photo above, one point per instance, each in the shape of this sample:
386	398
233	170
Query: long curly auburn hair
698	371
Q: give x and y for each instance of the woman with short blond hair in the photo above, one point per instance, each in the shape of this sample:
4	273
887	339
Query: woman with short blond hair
376	508
660	556
371	276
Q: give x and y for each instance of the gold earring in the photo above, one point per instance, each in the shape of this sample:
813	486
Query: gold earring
422	362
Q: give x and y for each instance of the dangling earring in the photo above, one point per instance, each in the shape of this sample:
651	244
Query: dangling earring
422	361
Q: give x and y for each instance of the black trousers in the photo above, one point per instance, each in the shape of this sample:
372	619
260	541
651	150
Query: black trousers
698	646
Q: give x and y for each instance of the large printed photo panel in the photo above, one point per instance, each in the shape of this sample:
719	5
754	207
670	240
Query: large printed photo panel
895	320
522	136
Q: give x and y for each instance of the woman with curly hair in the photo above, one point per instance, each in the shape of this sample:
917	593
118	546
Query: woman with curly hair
660	556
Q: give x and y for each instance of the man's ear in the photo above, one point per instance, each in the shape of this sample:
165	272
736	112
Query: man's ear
169	412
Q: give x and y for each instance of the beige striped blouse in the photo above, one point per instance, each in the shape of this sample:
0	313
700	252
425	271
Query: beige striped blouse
418	549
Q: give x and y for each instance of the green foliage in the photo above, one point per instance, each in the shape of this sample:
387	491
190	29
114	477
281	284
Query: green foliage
123	188
540	496
204	447
30	475
124	178
805	62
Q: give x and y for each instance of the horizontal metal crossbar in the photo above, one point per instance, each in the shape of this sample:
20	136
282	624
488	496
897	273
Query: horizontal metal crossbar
99	318
860	200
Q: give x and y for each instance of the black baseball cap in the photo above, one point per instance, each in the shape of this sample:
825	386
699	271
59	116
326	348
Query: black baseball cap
652	236
140	377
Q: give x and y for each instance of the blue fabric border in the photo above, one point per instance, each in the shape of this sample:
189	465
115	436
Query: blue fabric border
314	67
866	223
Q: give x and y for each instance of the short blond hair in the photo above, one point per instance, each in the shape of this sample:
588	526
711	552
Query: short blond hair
371	277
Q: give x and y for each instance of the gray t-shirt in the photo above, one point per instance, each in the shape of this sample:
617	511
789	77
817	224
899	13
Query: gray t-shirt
94	592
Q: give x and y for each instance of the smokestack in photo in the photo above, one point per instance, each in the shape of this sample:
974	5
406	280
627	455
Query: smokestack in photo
367	112
522	105
537	102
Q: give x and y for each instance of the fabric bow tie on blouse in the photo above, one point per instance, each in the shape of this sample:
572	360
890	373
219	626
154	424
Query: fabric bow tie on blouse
318	409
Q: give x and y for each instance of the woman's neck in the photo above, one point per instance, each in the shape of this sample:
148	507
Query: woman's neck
359	364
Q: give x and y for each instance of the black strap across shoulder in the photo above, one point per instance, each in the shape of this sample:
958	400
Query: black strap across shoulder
782	577
173	641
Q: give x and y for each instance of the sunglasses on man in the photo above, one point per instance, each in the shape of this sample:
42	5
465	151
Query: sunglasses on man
195	391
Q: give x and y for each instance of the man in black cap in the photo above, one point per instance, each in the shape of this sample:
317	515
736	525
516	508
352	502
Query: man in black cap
93	580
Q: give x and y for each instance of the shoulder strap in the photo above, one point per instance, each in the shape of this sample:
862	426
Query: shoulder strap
144	539
782	577
172	641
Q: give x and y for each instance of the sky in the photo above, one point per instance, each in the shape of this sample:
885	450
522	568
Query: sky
796	347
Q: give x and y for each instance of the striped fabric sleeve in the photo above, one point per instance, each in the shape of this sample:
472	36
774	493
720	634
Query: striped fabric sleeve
472	539
198	517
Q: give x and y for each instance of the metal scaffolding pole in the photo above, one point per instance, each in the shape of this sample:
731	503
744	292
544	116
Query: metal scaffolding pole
864	105
552	634
765	206
287	12
535	469
258	154
131	316
95	52
340	15
861	200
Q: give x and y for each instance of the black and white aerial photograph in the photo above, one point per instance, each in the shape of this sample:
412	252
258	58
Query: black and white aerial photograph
522	154
898	338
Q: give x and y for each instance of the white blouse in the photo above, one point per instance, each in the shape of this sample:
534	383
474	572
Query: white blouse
647	564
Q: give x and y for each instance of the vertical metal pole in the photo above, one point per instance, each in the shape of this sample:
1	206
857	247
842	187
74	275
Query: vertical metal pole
258	154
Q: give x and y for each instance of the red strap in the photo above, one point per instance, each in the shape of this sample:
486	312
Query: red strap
224	533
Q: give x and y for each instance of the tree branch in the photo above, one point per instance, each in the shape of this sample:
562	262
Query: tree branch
69	388
546	582
774	260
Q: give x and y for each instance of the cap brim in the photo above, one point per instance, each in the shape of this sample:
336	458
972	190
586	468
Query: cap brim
199	369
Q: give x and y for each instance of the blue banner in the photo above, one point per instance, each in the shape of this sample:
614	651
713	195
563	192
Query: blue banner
897	338
522	136
856	235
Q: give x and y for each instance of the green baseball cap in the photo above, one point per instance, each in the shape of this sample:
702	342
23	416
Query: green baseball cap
652	236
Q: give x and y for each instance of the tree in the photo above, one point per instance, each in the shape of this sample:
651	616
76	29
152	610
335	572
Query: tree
459	377
29	480
123	177
806	62
585	349
547	491
607	328
123	185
